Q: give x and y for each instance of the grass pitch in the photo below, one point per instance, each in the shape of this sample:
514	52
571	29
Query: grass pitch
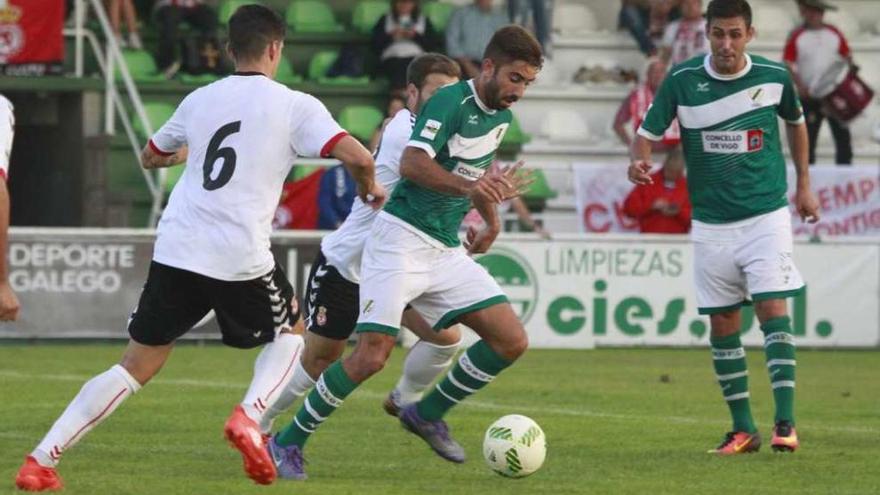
617	421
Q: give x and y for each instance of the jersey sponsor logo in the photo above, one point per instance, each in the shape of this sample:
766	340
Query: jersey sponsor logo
368	306
702	87
432	127
472	119
730	142
756	96
469	172
321	319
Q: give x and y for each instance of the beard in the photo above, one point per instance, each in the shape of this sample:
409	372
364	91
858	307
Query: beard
496	100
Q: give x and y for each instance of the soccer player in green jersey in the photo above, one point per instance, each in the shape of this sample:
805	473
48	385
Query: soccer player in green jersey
727	105
414	257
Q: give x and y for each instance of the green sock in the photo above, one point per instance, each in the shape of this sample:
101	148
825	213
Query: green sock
729	359
474	370
779	348
331	389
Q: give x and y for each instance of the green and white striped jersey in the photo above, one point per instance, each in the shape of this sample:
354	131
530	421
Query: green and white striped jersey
462	134
729	133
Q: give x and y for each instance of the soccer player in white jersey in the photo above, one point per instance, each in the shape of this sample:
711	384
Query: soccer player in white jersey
413	254
9	305
331	300
239	137
728	104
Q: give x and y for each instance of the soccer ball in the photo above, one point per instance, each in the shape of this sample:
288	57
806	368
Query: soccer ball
514	446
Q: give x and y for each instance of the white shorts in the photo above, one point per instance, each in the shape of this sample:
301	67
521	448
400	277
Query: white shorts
401	267
742	261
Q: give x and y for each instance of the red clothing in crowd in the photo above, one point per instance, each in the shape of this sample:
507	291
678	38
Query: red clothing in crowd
638	204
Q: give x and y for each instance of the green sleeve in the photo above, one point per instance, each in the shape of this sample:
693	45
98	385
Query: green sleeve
662	111
437	121
790	105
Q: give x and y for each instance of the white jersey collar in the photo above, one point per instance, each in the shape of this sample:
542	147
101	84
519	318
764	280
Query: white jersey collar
707	63
477	99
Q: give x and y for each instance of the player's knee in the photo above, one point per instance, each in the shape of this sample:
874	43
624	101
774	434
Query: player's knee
316	364
369	356
449	336
514	347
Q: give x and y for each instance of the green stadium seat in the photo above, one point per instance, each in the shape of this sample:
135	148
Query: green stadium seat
515	135
141	66
367	14
157	114
311	16
321	63
438	13
298	172
198	79
361	121
285	74
228	7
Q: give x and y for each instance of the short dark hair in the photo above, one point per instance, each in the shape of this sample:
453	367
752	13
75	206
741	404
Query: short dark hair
251	29
430	63
512	43
726	9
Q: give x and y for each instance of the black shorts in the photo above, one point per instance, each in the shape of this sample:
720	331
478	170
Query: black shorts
332	302
249	312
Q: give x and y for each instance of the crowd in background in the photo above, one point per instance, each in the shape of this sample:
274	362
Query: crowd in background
668	32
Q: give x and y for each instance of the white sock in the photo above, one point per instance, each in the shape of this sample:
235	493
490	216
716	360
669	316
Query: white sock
273	370
96	400
423	364
296	388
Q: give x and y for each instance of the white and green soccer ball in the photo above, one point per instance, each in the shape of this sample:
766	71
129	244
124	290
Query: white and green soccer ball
514	446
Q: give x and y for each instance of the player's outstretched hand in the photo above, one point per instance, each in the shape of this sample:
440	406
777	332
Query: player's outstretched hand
9	304
519	179
639	172
479	241
807	205
374	196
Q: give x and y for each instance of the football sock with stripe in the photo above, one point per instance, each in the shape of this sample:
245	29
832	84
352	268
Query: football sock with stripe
299	384
330	391
273	370
780	351
729	359
475	369
424	363
96	400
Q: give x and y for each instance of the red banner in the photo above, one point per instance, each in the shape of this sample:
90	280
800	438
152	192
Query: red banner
31	39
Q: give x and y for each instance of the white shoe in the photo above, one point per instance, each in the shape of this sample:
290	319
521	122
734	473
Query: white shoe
134	41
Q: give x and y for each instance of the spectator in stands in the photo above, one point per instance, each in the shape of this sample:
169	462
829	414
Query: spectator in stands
635	106
685	38
469	30
540	10
335	197
812	51
400	36
662	207
169	14
117	9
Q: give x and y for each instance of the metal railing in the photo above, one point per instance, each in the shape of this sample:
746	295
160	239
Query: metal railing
110	59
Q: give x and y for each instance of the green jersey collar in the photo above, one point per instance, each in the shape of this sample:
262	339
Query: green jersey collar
707	64
477	99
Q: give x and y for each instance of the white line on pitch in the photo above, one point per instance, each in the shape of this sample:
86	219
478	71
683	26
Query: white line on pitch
477	404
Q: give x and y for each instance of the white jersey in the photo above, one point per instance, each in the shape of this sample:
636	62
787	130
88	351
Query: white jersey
7	131
342	248
244	133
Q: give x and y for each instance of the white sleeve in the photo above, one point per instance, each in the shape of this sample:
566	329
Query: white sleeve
7	132
171	136
313	130
394	139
